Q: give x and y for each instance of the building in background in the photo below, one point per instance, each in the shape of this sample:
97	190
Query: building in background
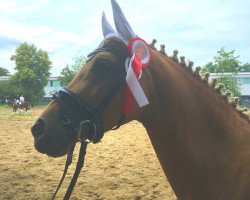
4	78
52	86
243	79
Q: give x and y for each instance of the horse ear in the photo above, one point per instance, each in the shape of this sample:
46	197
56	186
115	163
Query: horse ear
121	23
106	27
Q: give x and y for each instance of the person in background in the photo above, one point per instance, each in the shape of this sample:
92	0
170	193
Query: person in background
16	101
21	99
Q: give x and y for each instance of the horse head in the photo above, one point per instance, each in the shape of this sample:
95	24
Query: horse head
9	102
93	100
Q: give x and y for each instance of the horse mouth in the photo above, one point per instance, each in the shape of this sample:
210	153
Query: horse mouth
39	147
52	151
55	149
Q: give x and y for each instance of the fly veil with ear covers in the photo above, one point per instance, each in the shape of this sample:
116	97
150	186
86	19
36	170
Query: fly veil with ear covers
139	57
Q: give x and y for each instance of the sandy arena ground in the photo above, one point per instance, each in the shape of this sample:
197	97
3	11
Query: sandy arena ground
122	166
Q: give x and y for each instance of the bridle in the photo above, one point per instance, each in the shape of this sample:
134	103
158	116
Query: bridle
91	120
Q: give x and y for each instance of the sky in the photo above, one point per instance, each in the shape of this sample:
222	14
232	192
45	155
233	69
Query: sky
66	29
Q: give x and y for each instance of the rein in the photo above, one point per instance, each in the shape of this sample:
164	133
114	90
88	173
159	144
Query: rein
91	121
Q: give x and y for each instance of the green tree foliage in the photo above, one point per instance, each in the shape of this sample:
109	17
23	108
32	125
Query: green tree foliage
231	84
32	72
4	72
66	75
225	62
79	60
8	90
69	72
244	68
209	67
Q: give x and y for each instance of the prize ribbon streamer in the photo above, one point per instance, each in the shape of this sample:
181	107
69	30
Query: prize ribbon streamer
134	89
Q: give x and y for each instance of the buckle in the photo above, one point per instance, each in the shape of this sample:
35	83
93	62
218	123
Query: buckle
83	137
66	121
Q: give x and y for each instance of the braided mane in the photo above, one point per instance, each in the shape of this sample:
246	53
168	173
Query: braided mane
213	86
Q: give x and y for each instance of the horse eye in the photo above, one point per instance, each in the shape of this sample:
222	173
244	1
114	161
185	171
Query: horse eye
101	64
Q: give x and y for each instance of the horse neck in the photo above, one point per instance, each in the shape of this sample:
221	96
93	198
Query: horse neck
199	139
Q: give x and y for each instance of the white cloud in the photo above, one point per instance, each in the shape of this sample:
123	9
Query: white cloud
5	59
21	31
17	7
46	37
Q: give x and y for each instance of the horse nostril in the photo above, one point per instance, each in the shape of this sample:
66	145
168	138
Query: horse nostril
37	129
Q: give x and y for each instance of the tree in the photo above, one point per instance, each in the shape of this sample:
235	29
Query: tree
209	67
32	71
79	60
4	72
244	68
225	62
66	75
231	84
8	90
69	72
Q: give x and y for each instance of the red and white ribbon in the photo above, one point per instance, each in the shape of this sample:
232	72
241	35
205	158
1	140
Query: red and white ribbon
140	53
133	73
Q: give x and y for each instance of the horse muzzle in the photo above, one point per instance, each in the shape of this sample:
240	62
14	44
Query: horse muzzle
52	141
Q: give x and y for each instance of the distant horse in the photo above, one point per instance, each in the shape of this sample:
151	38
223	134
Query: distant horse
12	104
202	141
22	105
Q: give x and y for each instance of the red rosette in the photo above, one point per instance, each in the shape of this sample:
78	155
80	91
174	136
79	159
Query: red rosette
141	50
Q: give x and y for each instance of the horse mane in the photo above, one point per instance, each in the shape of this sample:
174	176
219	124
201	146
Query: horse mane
195	74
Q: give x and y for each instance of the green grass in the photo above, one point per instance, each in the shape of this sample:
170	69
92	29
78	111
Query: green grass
6	113
18	116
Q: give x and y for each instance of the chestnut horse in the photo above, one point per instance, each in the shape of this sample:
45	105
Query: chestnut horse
202	142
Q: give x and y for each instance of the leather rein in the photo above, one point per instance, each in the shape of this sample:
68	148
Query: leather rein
91	121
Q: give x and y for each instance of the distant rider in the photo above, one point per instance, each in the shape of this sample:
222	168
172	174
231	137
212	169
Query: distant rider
21	99
16	101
